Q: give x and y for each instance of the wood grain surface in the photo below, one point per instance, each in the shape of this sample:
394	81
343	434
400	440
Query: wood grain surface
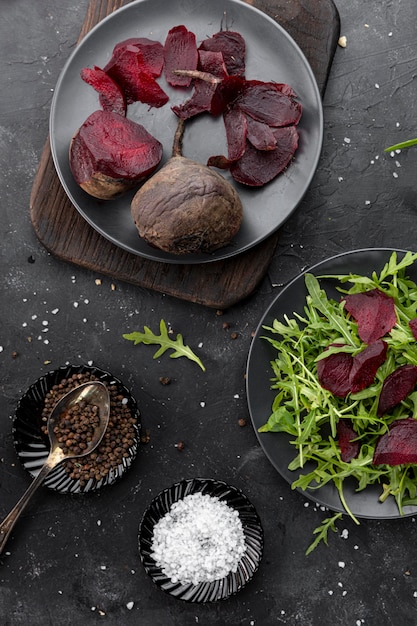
314	25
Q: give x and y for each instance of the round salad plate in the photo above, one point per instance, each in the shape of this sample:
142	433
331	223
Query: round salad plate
277	446
32	445
252	529
271	55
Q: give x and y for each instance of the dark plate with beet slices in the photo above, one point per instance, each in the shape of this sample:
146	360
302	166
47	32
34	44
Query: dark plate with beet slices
271	55
277	446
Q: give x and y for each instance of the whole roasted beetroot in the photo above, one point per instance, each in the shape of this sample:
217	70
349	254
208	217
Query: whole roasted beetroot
110	154
186	207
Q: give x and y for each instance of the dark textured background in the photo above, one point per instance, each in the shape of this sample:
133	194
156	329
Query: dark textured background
74	561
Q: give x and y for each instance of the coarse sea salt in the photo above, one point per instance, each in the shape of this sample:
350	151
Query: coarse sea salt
200	539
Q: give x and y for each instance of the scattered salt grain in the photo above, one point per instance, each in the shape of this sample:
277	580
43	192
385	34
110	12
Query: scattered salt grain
341	564
376	86
395	175
346	140
54	311
345	533
202	404
129	606
200	539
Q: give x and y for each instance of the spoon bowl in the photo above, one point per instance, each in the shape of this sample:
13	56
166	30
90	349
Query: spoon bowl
91	394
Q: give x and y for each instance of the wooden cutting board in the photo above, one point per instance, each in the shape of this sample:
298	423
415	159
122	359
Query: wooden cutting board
315	26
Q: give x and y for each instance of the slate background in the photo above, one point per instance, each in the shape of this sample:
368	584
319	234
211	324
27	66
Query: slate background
74	560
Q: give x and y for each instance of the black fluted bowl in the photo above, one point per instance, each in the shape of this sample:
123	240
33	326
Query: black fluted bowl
32	445
252	529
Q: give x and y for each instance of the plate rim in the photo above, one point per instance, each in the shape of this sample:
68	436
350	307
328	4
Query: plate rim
315	495
226	252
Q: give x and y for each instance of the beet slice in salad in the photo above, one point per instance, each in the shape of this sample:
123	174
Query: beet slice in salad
413	327
349	448
333	372
365	365
399	445
396	387
374	312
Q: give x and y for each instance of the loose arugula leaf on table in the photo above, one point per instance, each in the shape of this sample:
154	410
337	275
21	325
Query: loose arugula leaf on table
322	531
309	413
165	343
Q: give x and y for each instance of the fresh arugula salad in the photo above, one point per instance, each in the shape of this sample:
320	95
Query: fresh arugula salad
337	427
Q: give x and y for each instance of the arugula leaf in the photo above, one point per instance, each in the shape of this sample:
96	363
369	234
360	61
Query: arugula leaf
322	531
165	343
403	144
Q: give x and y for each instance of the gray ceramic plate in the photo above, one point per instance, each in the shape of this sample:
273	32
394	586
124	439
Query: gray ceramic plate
272	55
277	446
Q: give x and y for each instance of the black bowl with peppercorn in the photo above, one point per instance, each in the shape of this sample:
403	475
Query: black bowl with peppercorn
108	462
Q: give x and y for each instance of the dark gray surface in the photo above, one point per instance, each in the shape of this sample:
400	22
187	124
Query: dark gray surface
74	560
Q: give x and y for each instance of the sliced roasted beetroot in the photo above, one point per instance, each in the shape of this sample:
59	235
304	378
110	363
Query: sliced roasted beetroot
399	445
365	365
260	135
235	123
152	53
110	154
212	62
226	94
413	327
333	373
110	95
236	131
266	102
258	167
374	311
349	447
233	48
180	53
129	70
397	386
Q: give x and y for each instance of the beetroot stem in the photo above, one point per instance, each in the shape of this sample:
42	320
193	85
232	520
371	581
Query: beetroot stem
206	76
177	143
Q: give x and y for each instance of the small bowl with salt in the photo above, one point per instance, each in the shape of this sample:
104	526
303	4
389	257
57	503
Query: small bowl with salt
201	540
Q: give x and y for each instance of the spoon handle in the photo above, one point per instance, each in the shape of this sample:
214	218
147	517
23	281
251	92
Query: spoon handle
9	521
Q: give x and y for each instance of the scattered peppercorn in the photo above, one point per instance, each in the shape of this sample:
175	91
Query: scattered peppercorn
226	325
180	445
117	440
145	438
165	380
234	335
242	422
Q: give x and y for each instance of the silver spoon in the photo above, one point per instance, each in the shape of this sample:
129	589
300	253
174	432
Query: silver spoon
94	393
